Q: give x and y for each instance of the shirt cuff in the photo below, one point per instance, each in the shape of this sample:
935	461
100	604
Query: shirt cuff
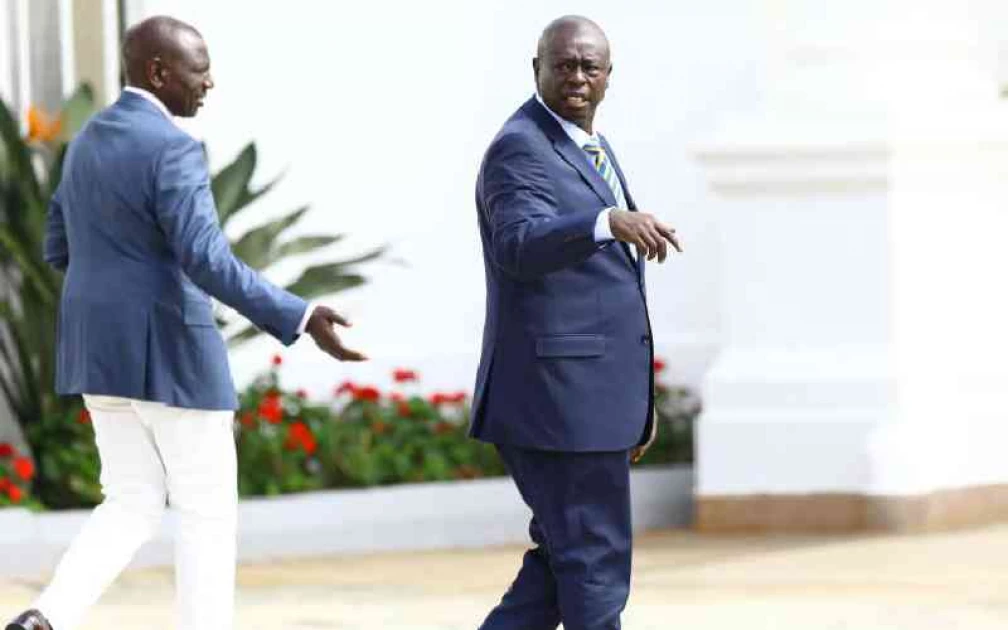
602	230
304	319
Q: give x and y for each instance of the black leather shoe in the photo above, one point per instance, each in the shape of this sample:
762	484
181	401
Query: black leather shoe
29	620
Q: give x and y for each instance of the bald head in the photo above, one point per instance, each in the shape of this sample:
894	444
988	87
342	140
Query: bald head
572	68
567	26
168	58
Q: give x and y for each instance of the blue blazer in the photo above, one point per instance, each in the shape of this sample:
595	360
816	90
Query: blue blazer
134	226
567	354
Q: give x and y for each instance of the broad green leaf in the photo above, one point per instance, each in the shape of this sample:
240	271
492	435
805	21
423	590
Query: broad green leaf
324	280
303	245
231	183
24	259
17	154
255	246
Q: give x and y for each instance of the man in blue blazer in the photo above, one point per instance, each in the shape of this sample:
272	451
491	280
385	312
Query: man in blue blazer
565	388
133	225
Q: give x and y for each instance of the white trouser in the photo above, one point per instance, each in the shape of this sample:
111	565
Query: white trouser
150	452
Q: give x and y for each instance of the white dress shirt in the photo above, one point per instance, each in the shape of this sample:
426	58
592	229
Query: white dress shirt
164	110
580	137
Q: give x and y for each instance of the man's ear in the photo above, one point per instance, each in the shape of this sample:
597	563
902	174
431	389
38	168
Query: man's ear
156	72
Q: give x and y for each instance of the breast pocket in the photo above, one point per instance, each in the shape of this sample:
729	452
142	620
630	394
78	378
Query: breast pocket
560	346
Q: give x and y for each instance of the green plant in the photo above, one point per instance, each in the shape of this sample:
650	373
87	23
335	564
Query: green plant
265	245
68	463
29	288
30	169
363	437
16	473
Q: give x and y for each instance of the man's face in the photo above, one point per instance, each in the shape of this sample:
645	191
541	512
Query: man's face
572	74
185	76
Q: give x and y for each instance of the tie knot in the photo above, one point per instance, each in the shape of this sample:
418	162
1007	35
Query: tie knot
594	147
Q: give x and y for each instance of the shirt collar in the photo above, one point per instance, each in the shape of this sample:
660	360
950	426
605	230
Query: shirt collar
575	133
150	97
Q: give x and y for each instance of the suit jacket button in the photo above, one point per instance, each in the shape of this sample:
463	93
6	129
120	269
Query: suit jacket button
644	339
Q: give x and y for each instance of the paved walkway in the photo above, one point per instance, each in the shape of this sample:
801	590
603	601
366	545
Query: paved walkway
953	581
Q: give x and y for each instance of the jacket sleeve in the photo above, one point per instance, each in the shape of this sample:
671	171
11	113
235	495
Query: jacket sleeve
529	236
187	215
56	251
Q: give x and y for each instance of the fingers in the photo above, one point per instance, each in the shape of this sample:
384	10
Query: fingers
329	342
333	317
669	234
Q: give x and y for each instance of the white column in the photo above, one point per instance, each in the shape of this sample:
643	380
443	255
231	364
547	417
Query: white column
862	210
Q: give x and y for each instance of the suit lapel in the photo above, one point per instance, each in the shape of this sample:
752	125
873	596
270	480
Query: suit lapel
570	152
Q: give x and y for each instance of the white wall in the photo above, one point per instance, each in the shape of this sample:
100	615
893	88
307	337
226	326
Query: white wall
380	113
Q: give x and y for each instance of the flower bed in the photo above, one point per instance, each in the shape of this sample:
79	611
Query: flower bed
359	437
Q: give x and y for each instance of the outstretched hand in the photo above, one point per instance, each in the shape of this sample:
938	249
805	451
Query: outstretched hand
650	236
320	327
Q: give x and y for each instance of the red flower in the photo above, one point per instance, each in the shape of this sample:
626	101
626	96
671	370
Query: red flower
396	397
437	399
247	420
302	394
345	388
659	365
405	376
369	394
456	398
277	360
300	436
404	409
15	494
6	450
24	468
271	409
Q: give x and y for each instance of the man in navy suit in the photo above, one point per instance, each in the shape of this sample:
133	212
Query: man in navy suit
565	388
133	225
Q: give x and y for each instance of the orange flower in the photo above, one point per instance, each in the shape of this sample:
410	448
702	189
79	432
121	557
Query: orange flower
84	417
24	468
41	126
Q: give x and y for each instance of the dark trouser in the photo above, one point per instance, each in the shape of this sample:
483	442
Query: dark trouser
579	572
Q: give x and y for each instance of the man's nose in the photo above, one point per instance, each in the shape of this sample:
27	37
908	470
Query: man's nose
208	82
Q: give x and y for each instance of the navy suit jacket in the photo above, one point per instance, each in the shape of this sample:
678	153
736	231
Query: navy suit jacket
134	226
567	353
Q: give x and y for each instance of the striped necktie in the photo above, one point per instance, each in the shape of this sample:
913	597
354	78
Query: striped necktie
605	168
